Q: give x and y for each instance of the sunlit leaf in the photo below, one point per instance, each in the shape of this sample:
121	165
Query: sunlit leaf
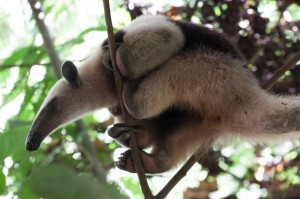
13	141
4	75
12	95
25	55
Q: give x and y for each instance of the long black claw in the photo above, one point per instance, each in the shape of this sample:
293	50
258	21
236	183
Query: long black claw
121	132
121	128
122	161
120	165
107	61
106	57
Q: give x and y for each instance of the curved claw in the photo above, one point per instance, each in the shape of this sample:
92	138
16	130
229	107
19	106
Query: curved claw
107	58
107	61
152	163
121	128
125	162
121	132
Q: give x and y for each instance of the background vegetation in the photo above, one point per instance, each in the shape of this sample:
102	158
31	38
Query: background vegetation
66	166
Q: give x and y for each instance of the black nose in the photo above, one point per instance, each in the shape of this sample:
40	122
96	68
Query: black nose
32	144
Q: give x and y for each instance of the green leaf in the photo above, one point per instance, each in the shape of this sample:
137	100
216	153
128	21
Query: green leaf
24	55
24	112
80	38
26	193
133	186
13	141
2	183
13	94
60	182
4	75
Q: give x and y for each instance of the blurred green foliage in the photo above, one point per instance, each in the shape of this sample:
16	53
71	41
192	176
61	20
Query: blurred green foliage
61	169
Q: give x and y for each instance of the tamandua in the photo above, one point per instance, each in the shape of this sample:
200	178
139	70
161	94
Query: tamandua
185	84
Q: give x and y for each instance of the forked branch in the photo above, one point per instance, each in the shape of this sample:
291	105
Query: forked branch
279	72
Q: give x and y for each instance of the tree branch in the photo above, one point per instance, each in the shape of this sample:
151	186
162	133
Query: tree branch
89	150
181	173
51	51
279	72
127	118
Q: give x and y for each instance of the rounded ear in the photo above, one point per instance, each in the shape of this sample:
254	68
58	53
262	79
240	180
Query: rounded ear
70	73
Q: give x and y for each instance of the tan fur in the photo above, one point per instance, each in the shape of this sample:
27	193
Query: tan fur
158	35
92	90
182	99
72	103
224	93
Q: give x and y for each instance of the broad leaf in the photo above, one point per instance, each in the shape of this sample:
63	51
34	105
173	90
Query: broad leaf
60	182
2	183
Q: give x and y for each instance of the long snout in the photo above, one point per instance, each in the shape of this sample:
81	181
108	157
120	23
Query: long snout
38	132
46	122
33	141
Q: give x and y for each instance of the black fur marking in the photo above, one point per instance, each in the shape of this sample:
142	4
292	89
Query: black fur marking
198	36
174	117
51	107
118	38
